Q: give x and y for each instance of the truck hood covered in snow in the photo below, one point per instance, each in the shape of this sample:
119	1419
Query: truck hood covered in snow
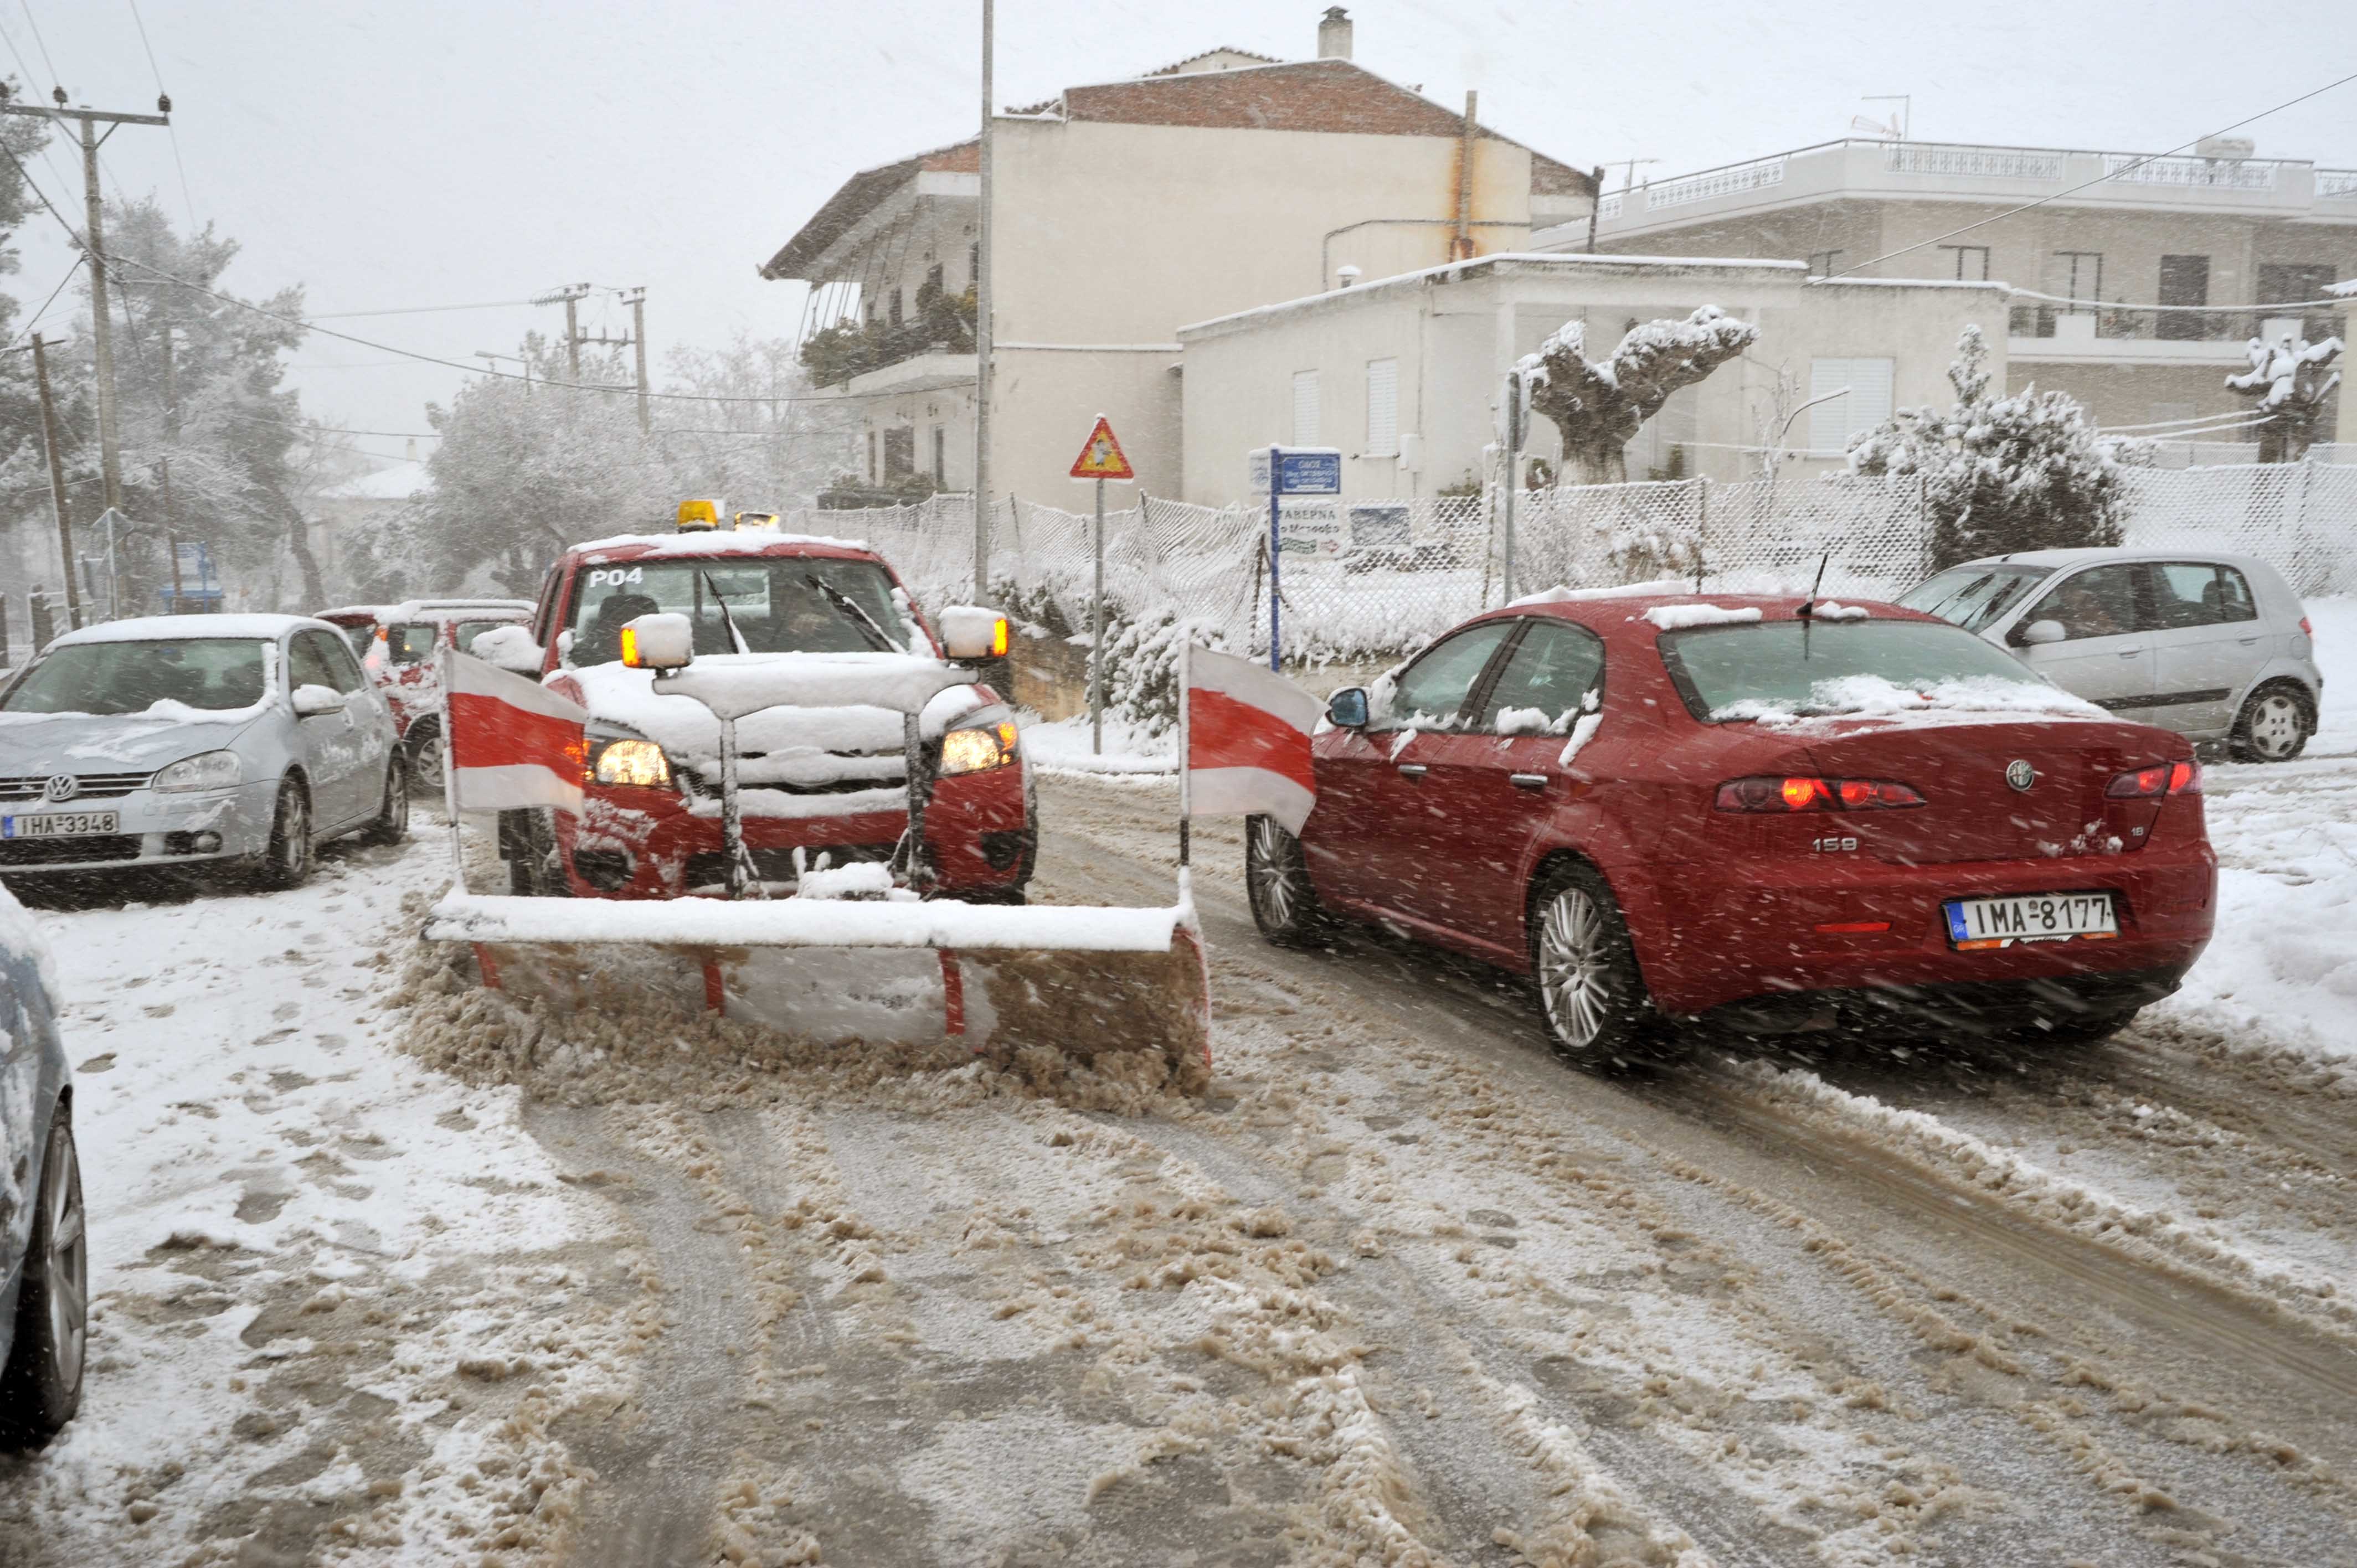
784	744
114	743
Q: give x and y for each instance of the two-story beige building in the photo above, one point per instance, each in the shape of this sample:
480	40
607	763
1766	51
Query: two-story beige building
1405	374
2090	242
1121	211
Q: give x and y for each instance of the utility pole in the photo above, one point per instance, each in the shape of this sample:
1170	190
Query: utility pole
570	297
93	243
636	298
981	339
163	293
57	484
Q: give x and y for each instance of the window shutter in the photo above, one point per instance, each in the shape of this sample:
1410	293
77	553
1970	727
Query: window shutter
1834	422
1304	408
1382	408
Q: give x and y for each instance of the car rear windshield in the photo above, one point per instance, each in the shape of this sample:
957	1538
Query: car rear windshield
1788	665
216	674
770	600
1974	597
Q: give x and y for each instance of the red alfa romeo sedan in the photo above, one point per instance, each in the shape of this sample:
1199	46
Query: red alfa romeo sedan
1773	813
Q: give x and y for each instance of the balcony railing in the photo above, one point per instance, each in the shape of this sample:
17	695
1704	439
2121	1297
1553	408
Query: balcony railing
2336	184
1946	159
1607	207
1728	181
2119	321
2249	174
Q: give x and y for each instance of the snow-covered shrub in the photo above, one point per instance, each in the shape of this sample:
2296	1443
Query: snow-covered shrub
1597	408
1142	669
2024	472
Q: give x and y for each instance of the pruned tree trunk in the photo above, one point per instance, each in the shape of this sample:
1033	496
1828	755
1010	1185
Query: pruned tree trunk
1598	408
298	540
1597	463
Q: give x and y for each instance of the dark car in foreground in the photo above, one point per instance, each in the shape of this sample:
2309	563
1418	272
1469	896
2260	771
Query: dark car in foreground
44	1251
1773	813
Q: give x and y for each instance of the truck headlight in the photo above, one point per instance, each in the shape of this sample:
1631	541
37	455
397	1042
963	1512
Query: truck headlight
979	749
638	762
206	770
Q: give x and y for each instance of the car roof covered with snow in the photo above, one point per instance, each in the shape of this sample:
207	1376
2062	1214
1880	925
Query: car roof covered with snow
701	545
437	611
1645	610
352	615
179	628
2080	557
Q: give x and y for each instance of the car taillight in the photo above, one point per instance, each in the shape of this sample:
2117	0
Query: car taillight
2160	779
1808	794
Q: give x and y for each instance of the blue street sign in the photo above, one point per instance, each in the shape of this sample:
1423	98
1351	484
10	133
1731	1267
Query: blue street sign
1301	470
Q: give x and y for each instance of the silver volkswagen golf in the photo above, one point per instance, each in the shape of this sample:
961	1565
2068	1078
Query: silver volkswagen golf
2215	647
233	742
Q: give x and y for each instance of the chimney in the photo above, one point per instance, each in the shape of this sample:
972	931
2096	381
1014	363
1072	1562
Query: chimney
1334	34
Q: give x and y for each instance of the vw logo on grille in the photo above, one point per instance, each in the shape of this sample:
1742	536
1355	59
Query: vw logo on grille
61	787
2019	774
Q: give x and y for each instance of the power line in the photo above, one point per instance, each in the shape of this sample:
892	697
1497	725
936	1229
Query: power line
163	95
34	319
413	310
40	42
2099	179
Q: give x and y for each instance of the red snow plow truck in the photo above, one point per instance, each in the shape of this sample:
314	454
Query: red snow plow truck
818	788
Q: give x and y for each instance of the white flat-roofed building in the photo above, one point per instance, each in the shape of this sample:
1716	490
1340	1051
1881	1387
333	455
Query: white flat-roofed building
2113	235
1404	374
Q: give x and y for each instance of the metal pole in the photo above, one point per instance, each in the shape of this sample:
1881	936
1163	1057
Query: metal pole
1097	644
639	337
1513	474
981	335
450	776
164	466
56	483
1702	530
732	820
1275	543
114	569
1186	796
101	328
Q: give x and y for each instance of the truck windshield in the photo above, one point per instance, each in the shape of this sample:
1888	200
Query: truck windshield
771	599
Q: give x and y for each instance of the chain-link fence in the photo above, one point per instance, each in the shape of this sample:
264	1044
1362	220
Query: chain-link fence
1366	579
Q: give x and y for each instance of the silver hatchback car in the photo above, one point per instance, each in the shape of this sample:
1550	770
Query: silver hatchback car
190	741
2214	647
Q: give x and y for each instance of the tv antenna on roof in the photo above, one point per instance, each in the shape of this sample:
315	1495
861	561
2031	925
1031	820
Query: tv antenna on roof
1901	124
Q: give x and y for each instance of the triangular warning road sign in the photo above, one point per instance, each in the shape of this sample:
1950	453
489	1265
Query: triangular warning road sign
1101	458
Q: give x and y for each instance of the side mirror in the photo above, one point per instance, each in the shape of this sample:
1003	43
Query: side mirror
1347	709
508	648
969	631
2039	632
663	641
311	702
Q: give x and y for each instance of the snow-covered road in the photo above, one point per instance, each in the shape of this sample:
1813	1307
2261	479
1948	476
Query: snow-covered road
1400	1289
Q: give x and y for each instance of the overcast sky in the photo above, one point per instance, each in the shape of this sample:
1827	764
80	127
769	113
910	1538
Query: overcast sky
388	156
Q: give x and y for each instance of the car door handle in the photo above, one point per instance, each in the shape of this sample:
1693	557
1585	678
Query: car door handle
2247	641
1412	769
2132	653
1527	781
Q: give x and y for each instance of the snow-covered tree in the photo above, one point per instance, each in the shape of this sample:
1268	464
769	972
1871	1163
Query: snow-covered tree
1598	407
2024	472
2288	381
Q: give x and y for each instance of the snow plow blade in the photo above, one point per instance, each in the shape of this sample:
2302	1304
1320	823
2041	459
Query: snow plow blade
1080	982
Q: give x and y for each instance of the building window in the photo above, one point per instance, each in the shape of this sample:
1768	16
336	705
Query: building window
899	451
1972	261
1382	408
871	456
941	453
2288	283
1866	404
932	289
1822	264
2079	278
895	311
2184	280
1304	408
973	265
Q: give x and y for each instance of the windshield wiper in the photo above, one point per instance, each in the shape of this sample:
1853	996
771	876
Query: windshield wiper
858	618
725	618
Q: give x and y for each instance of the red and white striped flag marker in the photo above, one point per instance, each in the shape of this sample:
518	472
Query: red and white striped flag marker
1243	745
508	743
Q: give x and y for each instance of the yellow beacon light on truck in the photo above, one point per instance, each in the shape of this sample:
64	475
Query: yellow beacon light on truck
694	516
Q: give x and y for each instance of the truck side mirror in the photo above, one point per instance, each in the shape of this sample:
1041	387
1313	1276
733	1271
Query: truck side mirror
663	641
969	631
508	648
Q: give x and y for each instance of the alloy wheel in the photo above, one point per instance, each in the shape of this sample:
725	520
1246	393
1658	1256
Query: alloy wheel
2275	727
1574	967
425	763
66	1268
293	846
1275	876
